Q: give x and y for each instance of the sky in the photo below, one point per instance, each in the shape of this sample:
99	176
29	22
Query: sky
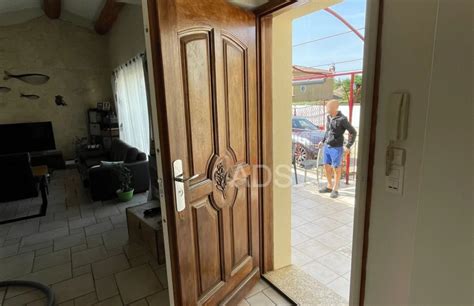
346	47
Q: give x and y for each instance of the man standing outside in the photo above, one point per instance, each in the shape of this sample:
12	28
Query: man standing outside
334	149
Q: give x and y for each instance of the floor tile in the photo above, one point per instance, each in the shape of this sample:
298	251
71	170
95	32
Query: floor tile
106	288
297	221
313	249
115	238
137	283
344	231
10	250
243	303
113	301
298	258
18	230
159	299
259	287
141	303
51	259
44	251
162	276
73	288
332	240
310	229
320	272
260	299
86	300
276	297
24	298
33	247
110	266
94	241
341	286
336	262
16	266
346	250
82	222
50	275
88	256
45	236
298	237
98	228
85	269
342	217
49	226
69	241
327	223
106	211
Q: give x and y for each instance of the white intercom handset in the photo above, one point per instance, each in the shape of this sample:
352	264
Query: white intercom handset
397	130
397	117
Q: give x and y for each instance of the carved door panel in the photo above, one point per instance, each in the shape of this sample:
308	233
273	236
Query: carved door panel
208	114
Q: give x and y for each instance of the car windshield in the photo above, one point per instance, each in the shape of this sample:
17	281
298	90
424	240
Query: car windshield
304	124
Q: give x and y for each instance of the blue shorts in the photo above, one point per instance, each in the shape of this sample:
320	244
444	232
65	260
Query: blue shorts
332	156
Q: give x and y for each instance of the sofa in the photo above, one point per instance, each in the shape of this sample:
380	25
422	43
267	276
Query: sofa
102	179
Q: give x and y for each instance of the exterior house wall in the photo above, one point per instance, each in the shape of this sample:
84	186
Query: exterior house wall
313	92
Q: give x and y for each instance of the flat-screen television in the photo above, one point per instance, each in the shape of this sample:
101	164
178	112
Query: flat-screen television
26	137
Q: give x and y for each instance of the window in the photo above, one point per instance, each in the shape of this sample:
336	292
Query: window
132	104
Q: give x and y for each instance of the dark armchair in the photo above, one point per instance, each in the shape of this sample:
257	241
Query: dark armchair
103	181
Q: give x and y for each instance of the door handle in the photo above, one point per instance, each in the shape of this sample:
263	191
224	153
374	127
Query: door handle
179	180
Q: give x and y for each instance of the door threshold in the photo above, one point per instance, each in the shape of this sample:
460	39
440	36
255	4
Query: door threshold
277	289
301	288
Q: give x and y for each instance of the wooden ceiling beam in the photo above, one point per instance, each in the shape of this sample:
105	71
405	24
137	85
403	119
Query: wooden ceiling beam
52	8
107	16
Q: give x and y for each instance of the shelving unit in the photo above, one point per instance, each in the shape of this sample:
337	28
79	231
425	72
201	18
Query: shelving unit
103	127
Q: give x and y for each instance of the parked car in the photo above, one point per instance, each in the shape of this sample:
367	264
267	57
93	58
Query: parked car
305	137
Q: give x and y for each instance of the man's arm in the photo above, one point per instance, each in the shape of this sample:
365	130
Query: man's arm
352	132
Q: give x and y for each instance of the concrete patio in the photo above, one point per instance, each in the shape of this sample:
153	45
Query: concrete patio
321	234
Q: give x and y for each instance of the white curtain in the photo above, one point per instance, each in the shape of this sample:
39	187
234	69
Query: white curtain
132	106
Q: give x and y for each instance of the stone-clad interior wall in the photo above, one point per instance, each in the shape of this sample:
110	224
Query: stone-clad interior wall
75	59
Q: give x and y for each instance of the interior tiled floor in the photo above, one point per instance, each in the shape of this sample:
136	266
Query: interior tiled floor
262	294
321	239
20	209
81	250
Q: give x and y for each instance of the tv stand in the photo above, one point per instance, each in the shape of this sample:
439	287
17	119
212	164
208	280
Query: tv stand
51	158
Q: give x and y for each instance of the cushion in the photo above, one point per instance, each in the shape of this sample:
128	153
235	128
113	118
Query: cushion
90	162
105	163
118	150
141	156
131	155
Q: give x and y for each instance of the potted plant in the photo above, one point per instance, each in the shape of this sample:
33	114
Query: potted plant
125	193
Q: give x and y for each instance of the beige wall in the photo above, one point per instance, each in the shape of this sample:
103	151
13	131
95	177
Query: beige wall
76	60
126	38
282	100
420	243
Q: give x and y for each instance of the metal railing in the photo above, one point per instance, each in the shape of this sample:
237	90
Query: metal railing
316	114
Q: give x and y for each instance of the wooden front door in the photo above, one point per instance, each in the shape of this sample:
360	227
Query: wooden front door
205	69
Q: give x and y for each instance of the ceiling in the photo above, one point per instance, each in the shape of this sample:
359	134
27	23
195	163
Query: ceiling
81	12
